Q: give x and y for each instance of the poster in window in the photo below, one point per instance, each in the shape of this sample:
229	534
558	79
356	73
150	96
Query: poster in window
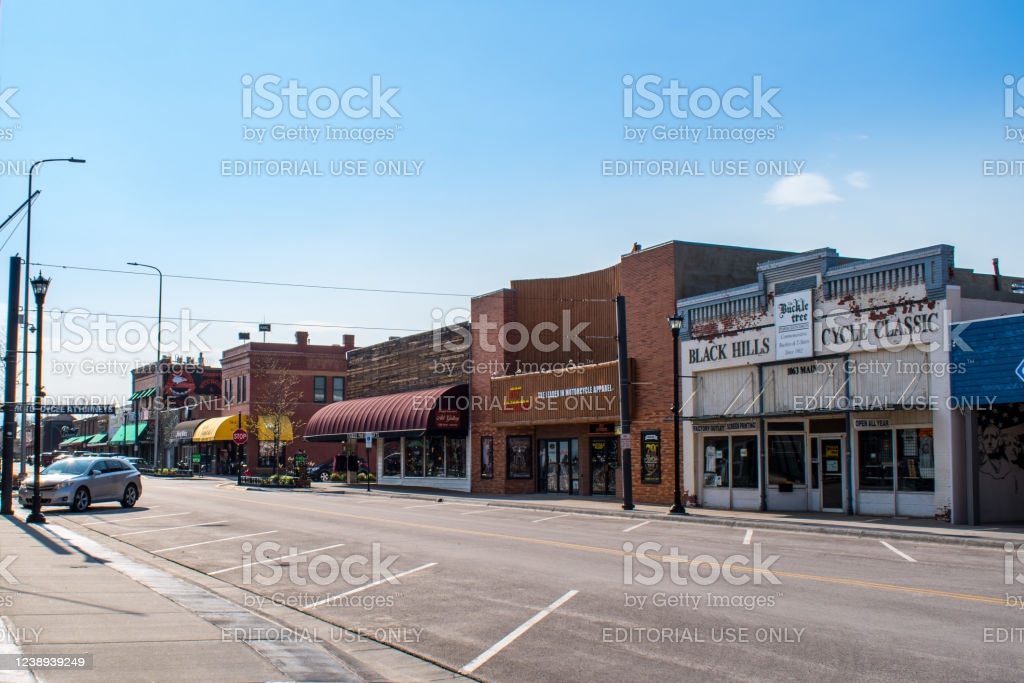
650	464
520	457
487	457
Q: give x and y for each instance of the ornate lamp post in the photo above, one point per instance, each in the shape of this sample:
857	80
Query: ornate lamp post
39	287
676	323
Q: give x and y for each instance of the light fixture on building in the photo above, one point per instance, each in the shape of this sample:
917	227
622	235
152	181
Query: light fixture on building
1017	287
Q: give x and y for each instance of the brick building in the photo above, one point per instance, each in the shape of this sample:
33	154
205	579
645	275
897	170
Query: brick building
189	389
410	394
270	390
545	408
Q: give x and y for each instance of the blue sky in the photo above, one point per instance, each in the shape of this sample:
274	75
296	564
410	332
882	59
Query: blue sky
511	110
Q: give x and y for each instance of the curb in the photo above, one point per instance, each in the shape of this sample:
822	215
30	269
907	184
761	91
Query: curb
923	536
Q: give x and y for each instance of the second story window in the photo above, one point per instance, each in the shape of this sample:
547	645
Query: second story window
319	390
337	389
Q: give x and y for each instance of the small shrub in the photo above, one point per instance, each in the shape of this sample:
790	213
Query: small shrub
336	477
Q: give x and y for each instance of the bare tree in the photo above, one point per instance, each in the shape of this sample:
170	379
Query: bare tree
274	398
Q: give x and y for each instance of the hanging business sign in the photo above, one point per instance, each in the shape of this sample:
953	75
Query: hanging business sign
794	329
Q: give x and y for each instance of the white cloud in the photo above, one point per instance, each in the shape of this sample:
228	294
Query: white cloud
807	189
858	179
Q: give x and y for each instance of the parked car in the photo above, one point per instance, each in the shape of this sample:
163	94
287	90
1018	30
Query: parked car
321	472
80	482
136	462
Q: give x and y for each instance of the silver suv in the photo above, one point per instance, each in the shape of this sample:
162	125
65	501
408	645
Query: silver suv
80	482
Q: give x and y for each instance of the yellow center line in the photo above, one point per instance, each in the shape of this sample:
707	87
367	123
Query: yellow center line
623	553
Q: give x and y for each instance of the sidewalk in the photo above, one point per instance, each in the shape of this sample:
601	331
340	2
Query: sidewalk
918	530
63	593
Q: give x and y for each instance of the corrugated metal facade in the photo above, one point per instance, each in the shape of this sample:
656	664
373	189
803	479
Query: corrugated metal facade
990	352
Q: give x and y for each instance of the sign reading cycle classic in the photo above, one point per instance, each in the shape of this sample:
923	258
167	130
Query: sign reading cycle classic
794	325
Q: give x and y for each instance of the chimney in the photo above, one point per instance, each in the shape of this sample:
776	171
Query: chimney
348	341
995	270
302	338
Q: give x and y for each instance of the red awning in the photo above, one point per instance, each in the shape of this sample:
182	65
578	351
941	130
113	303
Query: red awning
440	409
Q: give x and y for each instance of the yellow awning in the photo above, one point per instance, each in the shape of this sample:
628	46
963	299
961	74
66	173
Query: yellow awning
266	428
217	429
221	429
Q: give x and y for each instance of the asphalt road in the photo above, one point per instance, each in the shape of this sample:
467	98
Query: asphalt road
508	594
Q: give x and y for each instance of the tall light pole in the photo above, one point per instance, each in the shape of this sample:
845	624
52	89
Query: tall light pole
39	287
676	323
156	368
24	326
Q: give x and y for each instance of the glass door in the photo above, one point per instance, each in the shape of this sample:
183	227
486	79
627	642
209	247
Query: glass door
830	458
604	458
559	465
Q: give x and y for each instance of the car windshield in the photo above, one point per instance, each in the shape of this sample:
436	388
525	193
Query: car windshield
70	466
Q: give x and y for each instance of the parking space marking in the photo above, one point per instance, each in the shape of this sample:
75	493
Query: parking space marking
906	557
747	536
477	512
136	519
430	505
486	655
371	585
636	526
544	519
477	533
216	540
170	528
277	559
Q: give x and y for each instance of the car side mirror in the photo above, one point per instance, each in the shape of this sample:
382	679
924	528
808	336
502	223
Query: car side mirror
93	473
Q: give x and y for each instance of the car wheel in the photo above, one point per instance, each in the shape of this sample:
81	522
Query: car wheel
130	497
81	500
325	476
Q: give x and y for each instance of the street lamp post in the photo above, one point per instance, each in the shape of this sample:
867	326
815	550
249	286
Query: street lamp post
156	368
676	322
24	325
39	287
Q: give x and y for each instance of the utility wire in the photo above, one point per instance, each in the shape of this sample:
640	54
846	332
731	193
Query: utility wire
308	286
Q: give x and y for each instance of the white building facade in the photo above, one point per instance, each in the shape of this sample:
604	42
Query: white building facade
825	386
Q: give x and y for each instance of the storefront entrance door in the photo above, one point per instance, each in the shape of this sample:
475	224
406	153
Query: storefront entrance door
559	466
830	458
604	458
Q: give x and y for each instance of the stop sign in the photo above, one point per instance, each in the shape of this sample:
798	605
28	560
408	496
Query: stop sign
239	436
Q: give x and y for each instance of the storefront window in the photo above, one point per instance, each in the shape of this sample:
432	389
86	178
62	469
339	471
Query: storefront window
487	457
875	456
392	457
916	459
414	457
520	457
744	462
435	456
716	461
456	461
786	459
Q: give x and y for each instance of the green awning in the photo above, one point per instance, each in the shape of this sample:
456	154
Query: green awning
72	440
94	439
126	435
144	393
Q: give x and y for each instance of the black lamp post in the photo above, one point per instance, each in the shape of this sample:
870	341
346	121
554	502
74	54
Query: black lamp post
39	287
676	323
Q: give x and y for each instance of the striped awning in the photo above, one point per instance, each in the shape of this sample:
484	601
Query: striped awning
413	412
127	434
144	393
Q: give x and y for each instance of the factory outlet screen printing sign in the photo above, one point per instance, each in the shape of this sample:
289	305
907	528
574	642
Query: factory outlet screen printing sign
794	331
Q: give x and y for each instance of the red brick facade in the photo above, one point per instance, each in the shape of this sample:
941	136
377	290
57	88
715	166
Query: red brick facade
302	360
651	281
